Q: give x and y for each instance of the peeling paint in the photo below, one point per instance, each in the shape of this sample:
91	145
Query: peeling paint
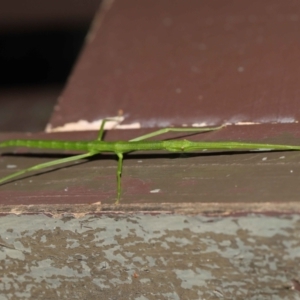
83	125
115	123
236	121
11	166
155	191
153	257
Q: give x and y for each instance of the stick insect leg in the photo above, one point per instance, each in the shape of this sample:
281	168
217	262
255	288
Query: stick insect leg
48	164
165	130
101	130
119	174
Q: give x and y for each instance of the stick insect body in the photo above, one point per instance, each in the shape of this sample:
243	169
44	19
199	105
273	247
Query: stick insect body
119	148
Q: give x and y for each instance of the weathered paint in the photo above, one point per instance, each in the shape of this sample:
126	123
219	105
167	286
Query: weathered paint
150	257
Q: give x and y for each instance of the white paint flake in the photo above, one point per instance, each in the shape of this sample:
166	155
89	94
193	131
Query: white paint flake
83	125
11	166
155	191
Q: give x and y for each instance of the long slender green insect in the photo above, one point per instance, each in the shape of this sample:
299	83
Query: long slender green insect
119	148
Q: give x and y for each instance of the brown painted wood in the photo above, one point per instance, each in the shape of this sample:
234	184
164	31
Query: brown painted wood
240	182
144	59
153	61
176	62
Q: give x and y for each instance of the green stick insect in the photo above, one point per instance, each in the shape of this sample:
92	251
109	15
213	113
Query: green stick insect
119	148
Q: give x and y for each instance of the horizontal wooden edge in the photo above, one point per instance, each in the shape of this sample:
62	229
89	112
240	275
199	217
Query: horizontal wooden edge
207	209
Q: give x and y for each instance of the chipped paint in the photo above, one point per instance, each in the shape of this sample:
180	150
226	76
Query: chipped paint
115	123
202	124
83	125
149	257
266	120
155	191
11	166
236	121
